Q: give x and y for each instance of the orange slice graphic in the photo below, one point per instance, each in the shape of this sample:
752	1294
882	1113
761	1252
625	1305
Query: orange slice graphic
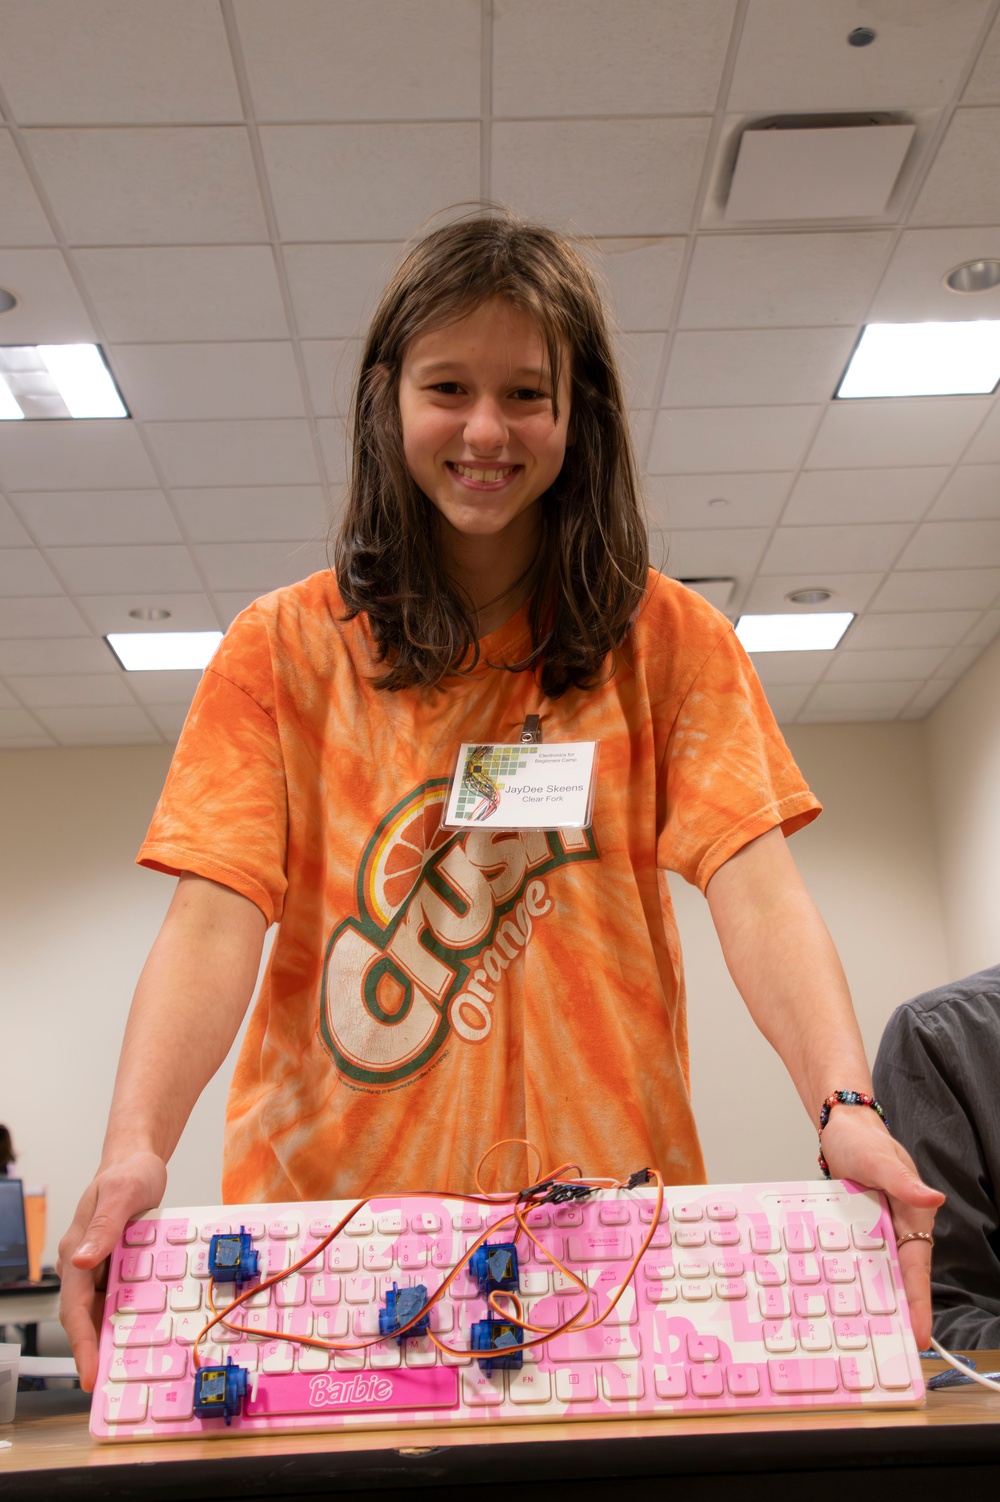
397	862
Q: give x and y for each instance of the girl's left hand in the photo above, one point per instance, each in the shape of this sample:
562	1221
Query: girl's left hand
857	1146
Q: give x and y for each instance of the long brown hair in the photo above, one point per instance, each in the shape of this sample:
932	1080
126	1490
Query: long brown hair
590	571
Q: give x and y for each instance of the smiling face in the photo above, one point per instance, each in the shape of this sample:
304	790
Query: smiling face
480	436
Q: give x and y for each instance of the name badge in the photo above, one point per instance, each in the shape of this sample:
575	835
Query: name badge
523	787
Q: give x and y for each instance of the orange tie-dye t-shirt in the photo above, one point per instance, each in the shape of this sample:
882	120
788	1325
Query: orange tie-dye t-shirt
430	992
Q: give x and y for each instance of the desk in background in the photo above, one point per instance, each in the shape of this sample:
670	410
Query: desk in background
28	1307
951	1444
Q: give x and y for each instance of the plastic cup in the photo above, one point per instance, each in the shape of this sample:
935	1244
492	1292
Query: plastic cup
10	1356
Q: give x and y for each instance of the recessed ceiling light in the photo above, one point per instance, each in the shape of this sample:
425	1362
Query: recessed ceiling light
818	632
159	651
149	613
924	359
809	596
974	276
718	500
7	300
861	36
54	381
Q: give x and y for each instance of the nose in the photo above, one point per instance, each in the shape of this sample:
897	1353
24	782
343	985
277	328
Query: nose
485	426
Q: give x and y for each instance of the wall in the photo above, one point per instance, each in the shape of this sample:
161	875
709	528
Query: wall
963	753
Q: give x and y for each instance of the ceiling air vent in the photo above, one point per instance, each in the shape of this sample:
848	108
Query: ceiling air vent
817	167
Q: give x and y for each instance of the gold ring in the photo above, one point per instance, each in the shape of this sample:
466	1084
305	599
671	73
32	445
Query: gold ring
915	1236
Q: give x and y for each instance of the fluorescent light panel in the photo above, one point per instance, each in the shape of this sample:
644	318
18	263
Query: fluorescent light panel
924	359
817	631
52	381
160	651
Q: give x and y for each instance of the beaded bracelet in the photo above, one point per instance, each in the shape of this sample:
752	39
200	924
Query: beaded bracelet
843	1098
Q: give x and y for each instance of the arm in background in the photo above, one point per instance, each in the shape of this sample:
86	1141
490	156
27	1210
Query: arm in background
191	998
783	962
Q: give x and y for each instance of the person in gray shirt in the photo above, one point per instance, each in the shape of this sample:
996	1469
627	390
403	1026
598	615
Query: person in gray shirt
937	1074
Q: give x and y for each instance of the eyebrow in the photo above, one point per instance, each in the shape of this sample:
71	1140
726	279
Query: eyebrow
534	372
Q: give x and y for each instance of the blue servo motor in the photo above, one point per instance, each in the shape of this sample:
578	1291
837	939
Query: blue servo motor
494	1337
219	1391
494	1265
232	1258
401	1305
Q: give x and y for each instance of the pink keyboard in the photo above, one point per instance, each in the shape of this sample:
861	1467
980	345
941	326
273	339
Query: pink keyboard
748	1298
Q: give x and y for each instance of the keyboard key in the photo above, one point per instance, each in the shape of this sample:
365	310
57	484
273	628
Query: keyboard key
706	1381
779	1337
312	1359
839	1269
411	1252
856	1373
720	1210
696	1292
179	1232
620	1383
688	1268
799	1237
290	1291
376	1257
577	1386
532	1283
647	1209
614	1213
538	1219
362	1224
659	1239
359	1289
385	1357
568	1215
480	1390
255	1229
283	1229
318	1229
142	1329
419	1350
427	1222
731	1288
529	1385
445	1254
600	1245
764	1238
743	1380
617	1342
141	1298
773	1303
844	1301
876	1283
670	1382
296	1322
171	1266
349	1361
468	1219
810	1303
690	1236
688	1212
819	1374
890	1353
769	1272
277	1258
140	1233
277	1358
187	1328
729	1266
815	1335
390	1223
803	1269
724	1235
332	1324
661	1293
702	1348
867	1241
215	1228
324	1290
148	1364
850	1334
833	1236
172	1401
125	1403
135	1266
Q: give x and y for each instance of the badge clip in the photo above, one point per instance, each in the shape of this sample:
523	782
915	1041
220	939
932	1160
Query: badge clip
531	730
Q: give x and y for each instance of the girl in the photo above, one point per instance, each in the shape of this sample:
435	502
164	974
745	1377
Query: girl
431	992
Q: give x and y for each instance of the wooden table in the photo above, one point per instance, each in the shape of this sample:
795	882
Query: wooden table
950	1444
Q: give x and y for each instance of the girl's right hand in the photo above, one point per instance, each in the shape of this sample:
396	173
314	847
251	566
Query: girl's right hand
119	1191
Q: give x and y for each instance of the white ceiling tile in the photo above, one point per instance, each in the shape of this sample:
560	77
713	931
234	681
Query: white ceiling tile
352	60
862	495
932	628
794	55
780	668
24	221
641	427
913	289
984	85
7	700
44	616
863	701
768	593
188	292
985	630
713	554
158	185
961	185
56	655
23	571
954	545
331	371
72	688
639	277
89	517
332	433
717	439
985	447
19	728
835	549
639	357
959	660
133	61
105	570
12	534
169	719
90	454
717	501
971	494
231	602
786	700
604	177
253	513
49	308
175	687
742	368
367	182
926	697
259	566
939	589
767	280
585	57
920	430
188	612
114	725
198	454
172	382
334	287
886	664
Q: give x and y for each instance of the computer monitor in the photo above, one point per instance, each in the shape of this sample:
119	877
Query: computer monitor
13	1236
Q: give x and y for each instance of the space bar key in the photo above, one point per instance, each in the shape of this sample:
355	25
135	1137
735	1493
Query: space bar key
820	1375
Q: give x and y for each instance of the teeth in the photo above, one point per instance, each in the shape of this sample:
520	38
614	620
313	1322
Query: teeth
482	475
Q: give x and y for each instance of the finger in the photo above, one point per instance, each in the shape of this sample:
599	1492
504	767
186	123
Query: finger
113	1209
79	1308
915	1265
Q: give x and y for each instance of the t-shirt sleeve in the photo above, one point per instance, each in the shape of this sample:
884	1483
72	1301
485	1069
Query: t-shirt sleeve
727	775
223	812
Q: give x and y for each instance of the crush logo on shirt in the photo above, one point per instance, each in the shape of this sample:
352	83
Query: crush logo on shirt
441	915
